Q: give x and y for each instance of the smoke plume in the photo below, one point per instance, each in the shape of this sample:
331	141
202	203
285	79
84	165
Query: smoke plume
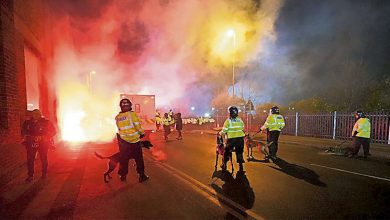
177	50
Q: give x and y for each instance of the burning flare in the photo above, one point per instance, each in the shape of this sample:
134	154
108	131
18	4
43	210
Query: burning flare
85	116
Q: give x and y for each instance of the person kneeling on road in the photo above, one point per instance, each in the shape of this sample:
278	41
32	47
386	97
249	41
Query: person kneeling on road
233	128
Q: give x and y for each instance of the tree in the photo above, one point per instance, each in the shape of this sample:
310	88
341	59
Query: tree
312	105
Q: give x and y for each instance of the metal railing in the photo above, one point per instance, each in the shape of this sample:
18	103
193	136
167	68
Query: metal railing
332	125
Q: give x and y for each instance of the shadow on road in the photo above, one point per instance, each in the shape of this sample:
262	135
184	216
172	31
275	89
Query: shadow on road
299	172
257	160
236	189
14	209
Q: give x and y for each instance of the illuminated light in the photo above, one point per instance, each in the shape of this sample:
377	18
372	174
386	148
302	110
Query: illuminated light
192	108
212	109
84	116
71	129
206	114
230	33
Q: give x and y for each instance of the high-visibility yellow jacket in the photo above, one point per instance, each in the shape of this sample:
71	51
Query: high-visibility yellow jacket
171	119
158	119
166	121
274	122
233	127
362	127
129	127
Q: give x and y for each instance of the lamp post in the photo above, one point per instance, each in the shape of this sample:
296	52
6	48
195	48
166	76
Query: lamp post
232	33
90	73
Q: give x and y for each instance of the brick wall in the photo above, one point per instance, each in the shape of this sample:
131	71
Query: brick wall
22	23
8	71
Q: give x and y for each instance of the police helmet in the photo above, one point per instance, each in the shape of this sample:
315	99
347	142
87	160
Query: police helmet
36	114
233	111
360	114
275	110
125	103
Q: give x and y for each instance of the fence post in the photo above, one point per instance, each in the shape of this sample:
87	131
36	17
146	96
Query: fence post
296	124
334	124
388	141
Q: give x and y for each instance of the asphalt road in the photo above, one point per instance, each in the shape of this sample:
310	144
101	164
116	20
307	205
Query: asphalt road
304	183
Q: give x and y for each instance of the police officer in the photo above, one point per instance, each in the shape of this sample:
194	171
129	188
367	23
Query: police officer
158	120
273	125
38	137
171	117
179	126
166	121
129	134
233	128
361	134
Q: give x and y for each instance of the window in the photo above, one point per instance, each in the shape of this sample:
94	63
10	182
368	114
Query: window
31	62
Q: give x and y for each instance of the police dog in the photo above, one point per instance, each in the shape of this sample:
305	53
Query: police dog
220	151
250	143
114	160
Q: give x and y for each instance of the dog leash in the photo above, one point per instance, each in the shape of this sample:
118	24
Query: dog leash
255	133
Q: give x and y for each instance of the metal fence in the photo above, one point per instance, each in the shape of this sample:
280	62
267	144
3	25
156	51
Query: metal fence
332	125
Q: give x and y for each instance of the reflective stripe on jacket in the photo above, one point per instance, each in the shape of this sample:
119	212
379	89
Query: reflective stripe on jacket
166	121
362	127
129	127
274	122
158	120
171	119
234	128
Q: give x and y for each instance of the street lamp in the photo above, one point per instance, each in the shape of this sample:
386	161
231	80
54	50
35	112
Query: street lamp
232	33
90	79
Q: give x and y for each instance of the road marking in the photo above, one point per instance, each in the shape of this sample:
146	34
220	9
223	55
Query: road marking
346	171
208	192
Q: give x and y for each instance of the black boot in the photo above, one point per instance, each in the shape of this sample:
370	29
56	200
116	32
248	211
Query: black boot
223	166
241	167
142	178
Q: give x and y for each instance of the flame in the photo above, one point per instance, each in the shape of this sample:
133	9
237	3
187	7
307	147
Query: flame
85	115
72	130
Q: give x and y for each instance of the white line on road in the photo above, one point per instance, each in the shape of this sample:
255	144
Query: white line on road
346	171
207	191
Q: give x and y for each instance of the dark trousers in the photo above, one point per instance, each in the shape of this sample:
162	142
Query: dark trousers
359	141
130	151
272	141
236	144
179	134
31	155
167	131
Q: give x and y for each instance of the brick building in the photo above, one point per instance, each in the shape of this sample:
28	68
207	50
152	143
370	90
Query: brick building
25	50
